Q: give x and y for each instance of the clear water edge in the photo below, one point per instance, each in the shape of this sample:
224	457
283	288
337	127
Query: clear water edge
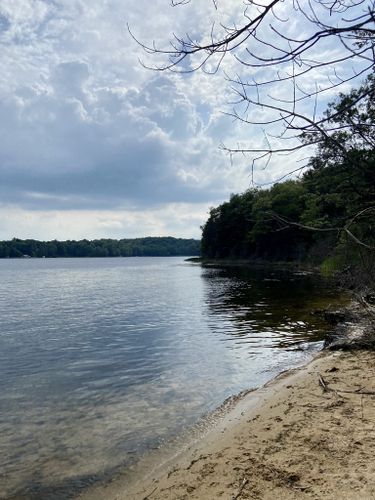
155	462
233	307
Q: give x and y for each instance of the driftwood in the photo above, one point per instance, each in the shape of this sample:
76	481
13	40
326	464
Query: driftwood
243	484
148	496
358	391
324	385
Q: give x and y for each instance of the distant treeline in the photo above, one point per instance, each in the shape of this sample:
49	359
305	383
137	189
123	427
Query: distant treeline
139	247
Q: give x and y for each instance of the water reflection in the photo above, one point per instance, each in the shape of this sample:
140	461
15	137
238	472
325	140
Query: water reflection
102	359
268	308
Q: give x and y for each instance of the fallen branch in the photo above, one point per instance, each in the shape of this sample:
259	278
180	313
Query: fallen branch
243	484
361	393
326	388
323	384
363	302
148	496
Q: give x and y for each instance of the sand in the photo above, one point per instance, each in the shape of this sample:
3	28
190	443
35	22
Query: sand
290	439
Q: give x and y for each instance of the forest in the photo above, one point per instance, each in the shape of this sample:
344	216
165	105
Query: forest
138	247
326	216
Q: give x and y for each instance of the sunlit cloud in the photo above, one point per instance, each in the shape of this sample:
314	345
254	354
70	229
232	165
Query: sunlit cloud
87	130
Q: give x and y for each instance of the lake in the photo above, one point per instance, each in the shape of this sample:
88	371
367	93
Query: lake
102	360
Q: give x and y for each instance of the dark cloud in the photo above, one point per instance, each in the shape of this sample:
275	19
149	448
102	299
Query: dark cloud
73	147
4	23
139	178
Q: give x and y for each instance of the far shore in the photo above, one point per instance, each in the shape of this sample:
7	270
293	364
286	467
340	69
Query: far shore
308	433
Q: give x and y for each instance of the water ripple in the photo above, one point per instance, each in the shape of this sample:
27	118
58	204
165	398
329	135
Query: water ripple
101	359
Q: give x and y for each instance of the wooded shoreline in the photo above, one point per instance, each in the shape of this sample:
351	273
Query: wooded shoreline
136	247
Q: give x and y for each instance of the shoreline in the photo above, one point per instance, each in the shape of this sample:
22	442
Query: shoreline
254	263
292	437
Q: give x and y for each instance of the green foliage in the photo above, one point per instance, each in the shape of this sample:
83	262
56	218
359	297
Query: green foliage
162	246
330	265
245	226
224	234
309	219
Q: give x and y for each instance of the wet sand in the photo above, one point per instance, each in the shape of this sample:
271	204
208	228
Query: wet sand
309	433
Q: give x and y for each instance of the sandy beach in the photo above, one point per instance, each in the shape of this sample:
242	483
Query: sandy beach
309	433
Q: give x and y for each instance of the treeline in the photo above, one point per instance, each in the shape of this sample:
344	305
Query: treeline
327	216
294	220
139	247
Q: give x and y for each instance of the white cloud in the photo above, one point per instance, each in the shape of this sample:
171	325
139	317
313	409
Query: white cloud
179	220
85	129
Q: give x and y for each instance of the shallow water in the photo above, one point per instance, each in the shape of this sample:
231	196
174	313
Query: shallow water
103	359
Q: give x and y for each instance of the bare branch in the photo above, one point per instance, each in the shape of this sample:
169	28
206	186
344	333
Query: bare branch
298	68
345	228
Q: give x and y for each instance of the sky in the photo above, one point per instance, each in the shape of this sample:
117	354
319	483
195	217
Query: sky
93	145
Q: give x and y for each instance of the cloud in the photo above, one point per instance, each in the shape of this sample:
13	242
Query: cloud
85	128
77	146
179	220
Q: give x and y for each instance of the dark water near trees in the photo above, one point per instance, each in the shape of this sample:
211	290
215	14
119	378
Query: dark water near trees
102	359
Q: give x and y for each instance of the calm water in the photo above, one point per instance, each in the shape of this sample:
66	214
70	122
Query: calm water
102	359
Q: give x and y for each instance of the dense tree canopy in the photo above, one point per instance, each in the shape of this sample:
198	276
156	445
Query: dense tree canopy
328	214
